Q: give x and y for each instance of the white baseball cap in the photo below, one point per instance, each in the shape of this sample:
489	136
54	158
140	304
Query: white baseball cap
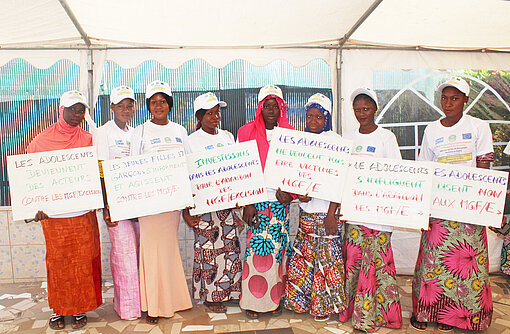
456	82
207	101
366	91
321	100
157	86
72	97
270	90
120	93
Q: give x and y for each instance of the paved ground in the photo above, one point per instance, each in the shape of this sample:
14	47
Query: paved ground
27	312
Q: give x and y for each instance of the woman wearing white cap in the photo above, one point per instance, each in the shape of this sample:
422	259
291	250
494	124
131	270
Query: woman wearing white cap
73	255
451	282
268	233
112	141
163	288
316	279
216	267
370	277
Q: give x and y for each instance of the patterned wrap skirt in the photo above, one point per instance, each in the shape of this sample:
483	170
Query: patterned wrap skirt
316	275
451	280
267	244
73	263
217	266
371	284
505	256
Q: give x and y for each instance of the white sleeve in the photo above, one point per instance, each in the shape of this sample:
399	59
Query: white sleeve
484	139
185	140
426	153
391	147
100	140
136	141
507	149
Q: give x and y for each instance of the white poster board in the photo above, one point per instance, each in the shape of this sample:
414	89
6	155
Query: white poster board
224	177
56	182
388	192
468	194
147	184
305	163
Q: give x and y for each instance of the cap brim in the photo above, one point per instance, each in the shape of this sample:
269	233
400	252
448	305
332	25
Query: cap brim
446	84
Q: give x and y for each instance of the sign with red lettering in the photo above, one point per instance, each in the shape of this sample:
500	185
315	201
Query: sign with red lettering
225	177
388	192
147	184
468	194
306	163
56	182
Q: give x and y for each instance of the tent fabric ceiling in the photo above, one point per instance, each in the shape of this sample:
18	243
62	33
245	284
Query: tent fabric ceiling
453	24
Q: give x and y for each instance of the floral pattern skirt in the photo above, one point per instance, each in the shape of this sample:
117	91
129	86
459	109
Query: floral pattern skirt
370	280
217	267
264	274
451	280
316	274
505	256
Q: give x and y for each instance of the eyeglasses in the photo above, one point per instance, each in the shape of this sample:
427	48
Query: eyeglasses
364	109
271	107
123	108
318	117
76	110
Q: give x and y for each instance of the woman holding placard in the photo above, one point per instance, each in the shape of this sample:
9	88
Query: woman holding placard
451	281
112	141
268	233
73	255
216	267
316	275
370	282
163	287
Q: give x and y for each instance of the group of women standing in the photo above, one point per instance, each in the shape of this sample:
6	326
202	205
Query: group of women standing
338	268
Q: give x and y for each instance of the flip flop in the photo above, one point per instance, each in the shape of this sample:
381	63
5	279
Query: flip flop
418	325
216	307
252	314
57	322
79	320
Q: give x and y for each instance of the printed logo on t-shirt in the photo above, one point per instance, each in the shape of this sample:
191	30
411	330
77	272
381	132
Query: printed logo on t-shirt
359	148
209	147
119	142
156	141
168	139
467	135
439	140
371	149
177	139
452	138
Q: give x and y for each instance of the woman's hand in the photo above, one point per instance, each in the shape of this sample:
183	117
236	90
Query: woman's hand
107	218
283	196
330	224
40	216
192	221
248	213
304	198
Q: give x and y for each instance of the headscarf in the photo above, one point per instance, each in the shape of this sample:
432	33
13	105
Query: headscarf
60	136
256	129
325	113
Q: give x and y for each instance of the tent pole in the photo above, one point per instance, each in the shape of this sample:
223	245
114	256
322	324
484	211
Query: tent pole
338	100
360	21
75	21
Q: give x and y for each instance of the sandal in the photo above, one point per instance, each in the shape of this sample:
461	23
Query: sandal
216	307
252	314
278	311
418	325
321	318
79	320
444	327
151	320
57	322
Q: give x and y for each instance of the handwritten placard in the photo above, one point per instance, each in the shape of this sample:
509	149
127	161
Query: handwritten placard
468	194
308	164
388	192
147	184
56	182
224	177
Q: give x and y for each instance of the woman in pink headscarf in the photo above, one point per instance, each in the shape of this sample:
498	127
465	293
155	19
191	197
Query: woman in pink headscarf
73	255
267	239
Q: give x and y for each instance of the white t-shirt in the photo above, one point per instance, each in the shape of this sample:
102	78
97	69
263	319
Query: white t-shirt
111	141
507	149
317	204
457	144
200	140
149	137
380	143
